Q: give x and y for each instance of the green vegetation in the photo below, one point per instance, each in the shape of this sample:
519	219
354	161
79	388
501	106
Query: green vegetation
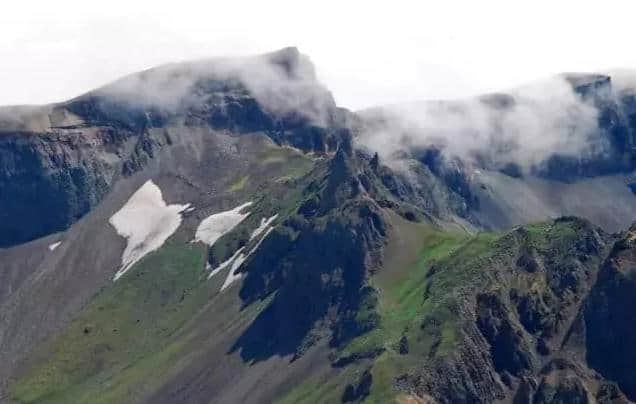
403	291
424	268
239	184
295	163
272	194
124	340
555	236
418	306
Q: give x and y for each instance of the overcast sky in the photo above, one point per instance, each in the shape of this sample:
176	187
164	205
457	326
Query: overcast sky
366	52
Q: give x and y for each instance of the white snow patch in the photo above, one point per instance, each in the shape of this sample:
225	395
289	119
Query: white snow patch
233	275
215	226
224	264
54	245
238	261
265	222
146	222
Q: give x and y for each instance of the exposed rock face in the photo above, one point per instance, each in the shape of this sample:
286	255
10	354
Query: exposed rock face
608	316
318	264
567	390
49	181
528	322
466	377
508	349
358	393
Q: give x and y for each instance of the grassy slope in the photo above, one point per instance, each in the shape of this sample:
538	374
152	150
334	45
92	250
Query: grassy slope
419	302
134	325
416	304
409	295
289	162
128	338
125	337
125	341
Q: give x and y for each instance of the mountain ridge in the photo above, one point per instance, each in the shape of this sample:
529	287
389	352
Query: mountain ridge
356	273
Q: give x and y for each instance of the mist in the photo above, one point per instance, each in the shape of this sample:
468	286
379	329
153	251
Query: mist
282	82
524	126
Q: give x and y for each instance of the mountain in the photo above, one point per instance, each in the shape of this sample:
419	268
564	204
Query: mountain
221	231
561	147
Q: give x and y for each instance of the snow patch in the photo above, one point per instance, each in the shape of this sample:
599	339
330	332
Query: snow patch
53	246
233	275
146	222
224	264
265	222
215	226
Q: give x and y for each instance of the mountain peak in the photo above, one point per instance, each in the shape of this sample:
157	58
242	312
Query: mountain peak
583	79
294	63
589	83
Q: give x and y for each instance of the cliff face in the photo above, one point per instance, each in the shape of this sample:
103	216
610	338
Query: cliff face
606	317
50	180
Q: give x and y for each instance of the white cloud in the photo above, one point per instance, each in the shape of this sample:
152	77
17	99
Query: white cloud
368	53
282	82
540	120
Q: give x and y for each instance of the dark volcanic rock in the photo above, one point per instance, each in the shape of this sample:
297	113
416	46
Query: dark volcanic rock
358	392
567	390
318	264
48	182
609	314
609	393
509	350
513	346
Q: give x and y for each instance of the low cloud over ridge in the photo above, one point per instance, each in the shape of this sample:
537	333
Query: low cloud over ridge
524	127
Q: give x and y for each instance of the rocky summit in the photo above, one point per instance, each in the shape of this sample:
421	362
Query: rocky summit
220	231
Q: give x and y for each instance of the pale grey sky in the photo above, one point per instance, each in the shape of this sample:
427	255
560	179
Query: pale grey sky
366	52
